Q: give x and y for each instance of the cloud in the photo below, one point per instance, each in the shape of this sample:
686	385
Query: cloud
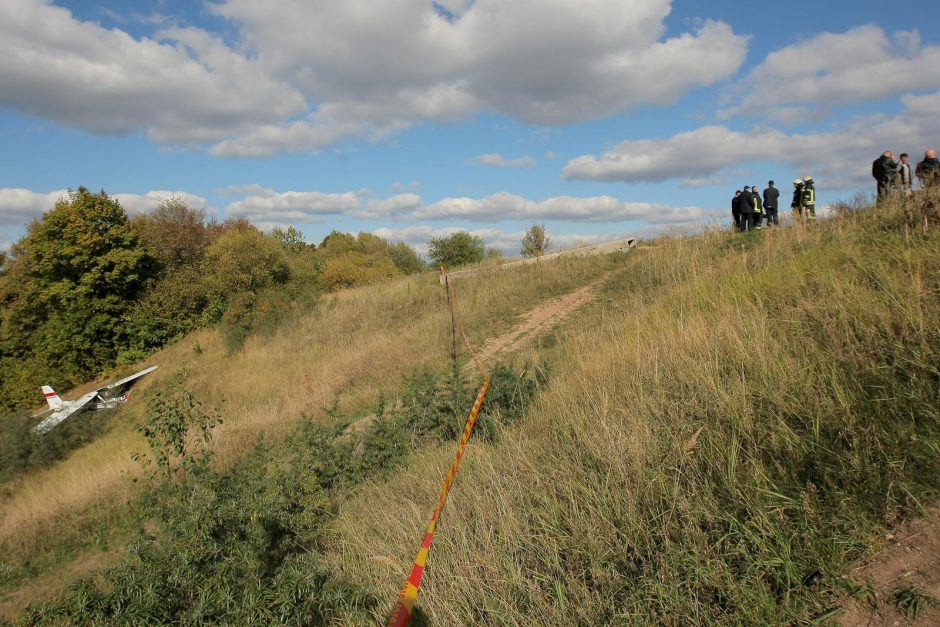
400	186
800	82
505	206
499	161
183	87
707	181
267	208
137	203
396	206
297	77
19	206
842	156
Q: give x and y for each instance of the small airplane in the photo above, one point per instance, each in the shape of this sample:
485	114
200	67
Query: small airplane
106	397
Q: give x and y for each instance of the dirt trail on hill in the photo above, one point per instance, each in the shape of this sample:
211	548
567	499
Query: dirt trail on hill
910	561
538	320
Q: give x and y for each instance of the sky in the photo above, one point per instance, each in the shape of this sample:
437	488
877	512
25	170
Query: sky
411	119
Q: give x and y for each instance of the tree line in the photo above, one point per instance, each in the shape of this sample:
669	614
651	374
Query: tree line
88	287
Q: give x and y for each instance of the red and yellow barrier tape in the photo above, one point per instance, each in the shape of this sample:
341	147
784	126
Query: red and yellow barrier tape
409	593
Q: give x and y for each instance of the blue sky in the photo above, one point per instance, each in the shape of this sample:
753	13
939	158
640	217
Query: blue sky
411	118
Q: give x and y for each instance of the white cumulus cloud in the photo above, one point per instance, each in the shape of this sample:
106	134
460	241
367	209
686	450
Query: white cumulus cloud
841	155
19	206
183	86
299	76
797	83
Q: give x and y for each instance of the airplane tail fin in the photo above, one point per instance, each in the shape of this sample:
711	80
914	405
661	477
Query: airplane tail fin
51	397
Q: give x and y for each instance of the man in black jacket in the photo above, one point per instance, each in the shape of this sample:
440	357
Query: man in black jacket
884	169
928	170
736	211
771	194
747	209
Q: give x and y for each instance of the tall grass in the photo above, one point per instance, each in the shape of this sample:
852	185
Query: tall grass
718	444
355	346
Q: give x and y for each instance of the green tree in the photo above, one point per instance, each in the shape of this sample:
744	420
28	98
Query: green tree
535	242
406	259
290	238
246	260
175	234
73	279
457	249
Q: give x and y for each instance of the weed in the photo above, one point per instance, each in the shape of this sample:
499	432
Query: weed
910	600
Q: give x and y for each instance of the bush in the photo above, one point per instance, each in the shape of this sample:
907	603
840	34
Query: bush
406	259
245	546
355	269
245	260
459	249
21	449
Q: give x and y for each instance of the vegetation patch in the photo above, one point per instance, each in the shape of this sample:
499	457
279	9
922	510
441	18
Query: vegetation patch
245	545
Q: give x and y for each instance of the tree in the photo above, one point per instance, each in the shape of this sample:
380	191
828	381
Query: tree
176	235
245	260
458	249
291	239
67	292
535	242
406	259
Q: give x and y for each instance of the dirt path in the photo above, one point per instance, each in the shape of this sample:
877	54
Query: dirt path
911	561
539	319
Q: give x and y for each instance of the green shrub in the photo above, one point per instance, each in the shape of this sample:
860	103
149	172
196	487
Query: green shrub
21	449
458	249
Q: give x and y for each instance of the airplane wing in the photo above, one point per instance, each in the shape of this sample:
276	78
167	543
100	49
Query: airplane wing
61	414
130	378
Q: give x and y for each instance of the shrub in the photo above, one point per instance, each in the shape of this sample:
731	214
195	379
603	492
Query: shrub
457	249
354	269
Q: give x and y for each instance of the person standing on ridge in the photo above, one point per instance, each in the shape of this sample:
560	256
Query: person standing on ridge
758	209
736	211
771	194
885	170
809	197
928	170
904	175
747	209
796	205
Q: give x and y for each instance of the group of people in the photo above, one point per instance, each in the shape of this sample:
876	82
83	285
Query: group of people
752	209
895	176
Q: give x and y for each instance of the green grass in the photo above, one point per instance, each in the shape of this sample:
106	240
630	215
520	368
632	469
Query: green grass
716	439
809	363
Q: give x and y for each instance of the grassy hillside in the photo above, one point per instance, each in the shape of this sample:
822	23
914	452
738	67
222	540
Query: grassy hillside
725	434
357	345
716	438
